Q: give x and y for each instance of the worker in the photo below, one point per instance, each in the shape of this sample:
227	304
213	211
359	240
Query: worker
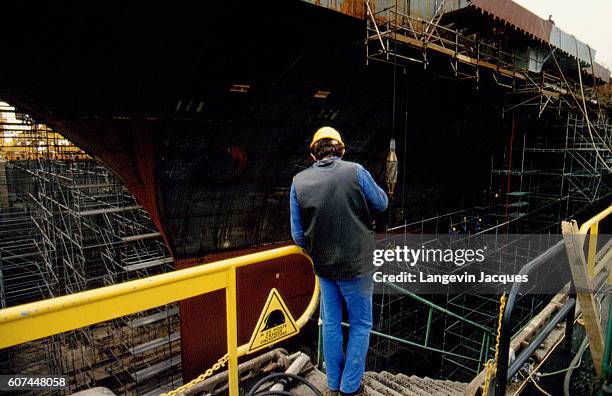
331	204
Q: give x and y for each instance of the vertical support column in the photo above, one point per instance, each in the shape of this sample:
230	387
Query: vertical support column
574	242
592	249
428	326
4	200
2	291
232	330
569	323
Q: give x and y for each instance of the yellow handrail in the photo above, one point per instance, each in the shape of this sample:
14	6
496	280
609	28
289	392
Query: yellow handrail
584	228
44	318
592	226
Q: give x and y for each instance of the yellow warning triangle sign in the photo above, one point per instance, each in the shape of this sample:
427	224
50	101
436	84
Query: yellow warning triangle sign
275	324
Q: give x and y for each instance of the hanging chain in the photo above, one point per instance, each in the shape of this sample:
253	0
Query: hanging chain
220	363
492	363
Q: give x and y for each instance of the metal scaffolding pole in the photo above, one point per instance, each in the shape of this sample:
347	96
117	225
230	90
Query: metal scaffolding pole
68	225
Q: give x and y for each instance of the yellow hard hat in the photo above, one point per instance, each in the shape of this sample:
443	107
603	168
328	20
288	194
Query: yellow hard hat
326	133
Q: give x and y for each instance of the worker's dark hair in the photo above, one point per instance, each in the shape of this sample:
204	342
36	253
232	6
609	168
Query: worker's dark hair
327	148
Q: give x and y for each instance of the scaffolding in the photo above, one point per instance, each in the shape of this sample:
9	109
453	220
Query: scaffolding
531	76
448	335
562	170
559	156
68	225
555	166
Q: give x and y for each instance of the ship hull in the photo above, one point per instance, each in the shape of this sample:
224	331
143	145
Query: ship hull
205	112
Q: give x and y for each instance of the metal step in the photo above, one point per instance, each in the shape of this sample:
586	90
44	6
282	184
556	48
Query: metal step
147	346
148	264
145	320
151	371
384	383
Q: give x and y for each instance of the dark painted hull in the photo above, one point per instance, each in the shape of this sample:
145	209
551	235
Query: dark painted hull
146	89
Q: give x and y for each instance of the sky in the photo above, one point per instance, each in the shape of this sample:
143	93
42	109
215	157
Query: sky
589	20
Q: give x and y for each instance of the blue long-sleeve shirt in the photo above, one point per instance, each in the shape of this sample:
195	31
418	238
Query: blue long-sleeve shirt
375	196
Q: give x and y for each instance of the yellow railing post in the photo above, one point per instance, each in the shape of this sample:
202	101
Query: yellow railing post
592	249
232	330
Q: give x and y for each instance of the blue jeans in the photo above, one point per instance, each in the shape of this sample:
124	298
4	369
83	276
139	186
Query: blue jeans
344	371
